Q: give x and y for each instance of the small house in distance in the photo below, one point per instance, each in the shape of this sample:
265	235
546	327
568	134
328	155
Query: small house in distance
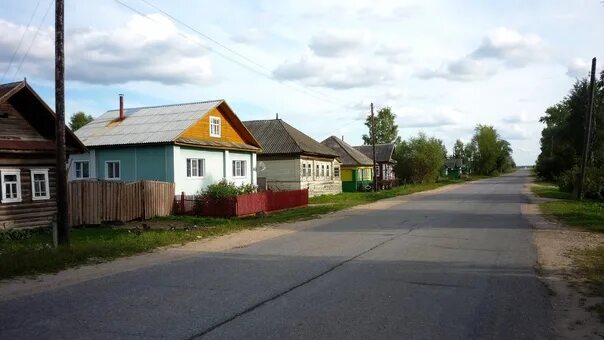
28	158
453	168
291	160
193	145
384	162
357	174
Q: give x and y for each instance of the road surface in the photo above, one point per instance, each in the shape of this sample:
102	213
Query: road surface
457	264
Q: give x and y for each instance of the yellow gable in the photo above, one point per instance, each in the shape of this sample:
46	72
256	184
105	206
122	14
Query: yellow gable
201	129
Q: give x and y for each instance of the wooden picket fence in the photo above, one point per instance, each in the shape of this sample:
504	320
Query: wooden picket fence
94	202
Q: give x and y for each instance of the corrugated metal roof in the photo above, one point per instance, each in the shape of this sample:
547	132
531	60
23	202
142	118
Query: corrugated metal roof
154	124
348	155
383	152
279	138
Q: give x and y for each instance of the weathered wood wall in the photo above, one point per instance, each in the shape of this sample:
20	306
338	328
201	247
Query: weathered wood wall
29	213
92	202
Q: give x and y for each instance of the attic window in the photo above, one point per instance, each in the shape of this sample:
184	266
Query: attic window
214	126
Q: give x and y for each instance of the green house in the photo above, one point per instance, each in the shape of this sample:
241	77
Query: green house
356	168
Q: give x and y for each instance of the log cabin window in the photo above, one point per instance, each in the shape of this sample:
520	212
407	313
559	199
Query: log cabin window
39	185
82	169
327	171
196	167
10	180
317	171
112	170
322	170
239	168
336	171
214	126
303	169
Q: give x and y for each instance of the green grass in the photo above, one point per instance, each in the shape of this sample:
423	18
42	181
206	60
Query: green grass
590	265
582	214
35	255
549	190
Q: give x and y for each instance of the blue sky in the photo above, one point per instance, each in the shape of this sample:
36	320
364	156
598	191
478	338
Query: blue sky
443	66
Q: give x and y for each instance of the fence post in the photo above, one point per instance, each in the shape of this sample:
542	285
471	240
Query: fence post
182	202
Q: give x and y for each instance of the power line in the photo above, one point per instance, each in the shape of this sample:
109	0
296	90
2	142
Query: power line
34	39
12	58
267	76
228	48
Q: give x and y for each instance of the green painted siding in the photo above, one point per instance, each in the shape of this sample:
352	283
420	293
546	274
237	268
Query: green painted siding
358	181
138	163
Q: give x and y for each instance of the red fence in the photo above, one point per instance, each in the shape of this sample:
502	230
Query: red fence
244	205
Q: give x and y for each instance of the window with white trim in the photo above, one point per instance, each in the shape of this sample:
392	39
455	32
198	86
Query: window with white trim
317	170
336	171
327	170
112	170
196	167
10	183
239	168
303	169
82	169
322	170
214	126
40	188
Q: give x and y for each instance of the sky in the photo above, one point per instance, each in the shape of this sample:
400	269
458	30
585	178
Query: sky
442	66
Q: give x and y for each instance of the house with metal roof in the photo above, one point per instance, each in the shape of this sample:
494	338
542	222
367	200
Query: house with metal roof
384	162
357	169
28	172
193	145
292	160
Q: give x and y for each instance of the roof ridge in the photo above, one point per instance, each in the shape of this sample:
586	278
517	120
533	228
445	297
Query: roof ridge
168	105
283	124
346	146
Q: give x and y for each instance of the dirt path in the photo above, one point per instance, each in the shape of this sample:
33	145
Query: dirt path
570	298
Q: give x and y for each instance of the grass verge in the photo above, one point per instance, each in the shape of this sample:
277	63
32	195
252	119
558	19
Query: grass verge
582	214
32	254
590	264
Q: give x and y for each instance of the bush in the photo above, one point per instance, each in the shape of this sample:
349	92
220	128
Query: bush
21	234
225	189
594	182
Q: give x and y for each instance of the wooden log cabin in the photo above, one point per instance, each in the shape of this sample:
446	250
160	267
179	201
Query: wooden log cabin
27	158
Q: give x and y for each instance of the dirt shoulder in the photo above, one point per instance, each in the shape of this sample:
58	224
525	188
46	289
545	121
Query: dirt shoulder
571	296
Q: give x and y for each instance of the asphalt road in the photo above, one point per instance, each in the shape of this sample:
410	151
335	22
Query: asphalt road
451	265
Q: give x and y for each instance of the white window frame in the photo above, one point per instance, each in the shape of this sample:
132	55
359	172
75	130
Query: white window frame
242	167
75	169
201	167
213	120
317	170
336	171
46	184
327	171
4	172
119	177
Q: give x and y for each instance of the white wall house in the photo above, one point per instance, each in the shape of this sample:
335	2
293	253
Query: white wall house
291	160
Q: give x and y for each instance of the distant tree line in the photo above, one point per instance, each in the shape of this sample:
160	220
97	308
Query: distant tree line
563	137
421	159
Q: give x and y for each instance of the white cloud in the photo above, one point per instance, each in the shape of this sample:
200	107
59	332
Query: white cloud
337	43
577	68
520	118
142	50
465	69
394	52
314	71
247	36
511	47
411	117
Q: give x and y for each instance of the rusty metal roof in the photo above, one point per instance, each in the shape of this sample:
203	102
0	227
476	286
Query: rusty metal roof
348	155
144	125
279	138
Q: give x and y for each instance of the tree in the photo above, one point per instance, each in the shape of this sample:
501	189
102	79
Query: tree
458	149
490	153
420	159
386	131
78	120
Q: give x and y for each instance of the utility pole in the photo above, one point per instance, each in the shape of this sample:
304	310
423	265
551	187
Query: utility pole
373	143
588	126
62	226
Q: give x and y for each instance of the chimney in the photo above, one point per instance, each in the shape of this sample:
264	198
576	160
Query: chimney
121	107
342	138
277	115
